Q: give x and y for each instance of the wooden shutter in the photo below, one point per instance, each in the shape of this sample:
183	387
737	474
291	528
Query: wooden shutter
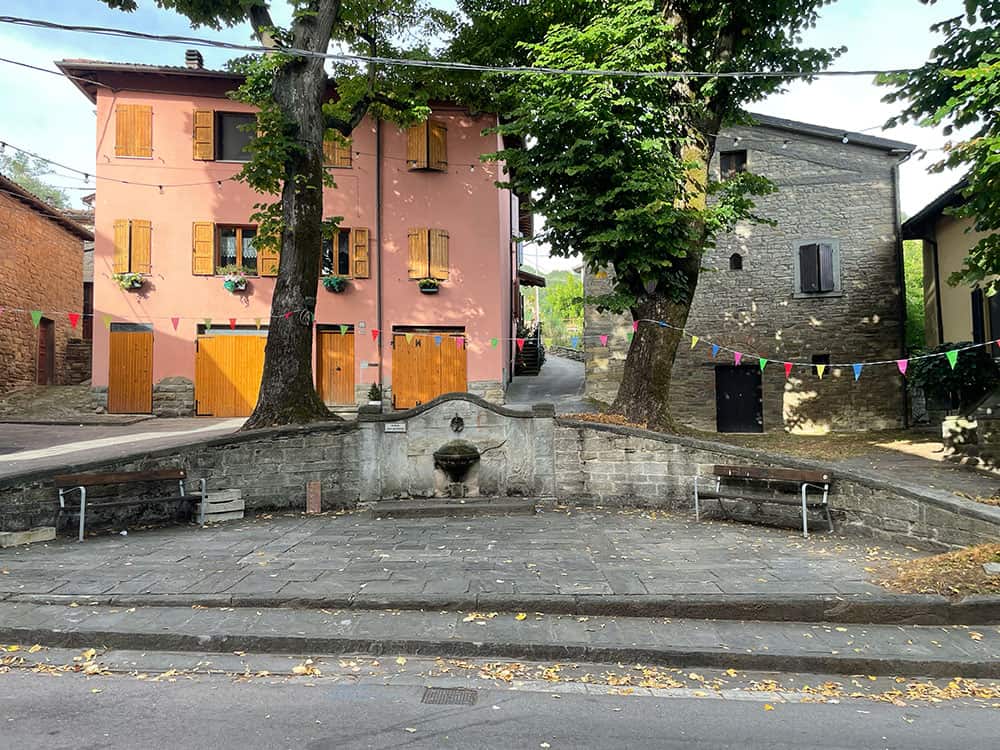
827	281
203	248
134	130
203	132
416	147
268	260
337	153
120	262
360	265
437	140
439	254
809	268
418	254
142	241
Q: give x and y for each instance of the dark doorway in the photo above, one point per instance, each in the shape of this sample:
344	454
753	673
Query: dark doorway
46	352
739	405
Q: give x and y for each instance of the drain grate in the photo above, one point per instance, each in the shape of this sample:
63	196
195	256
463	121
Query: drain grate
449	696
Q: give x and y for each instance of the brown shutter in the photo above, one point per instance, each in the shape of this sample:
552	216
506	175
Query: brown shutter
120	263
416	146
439	254
827	282
203	248
437	146
268	259
337	152
142	241
359	252
203	132
418	254
134	130
809	268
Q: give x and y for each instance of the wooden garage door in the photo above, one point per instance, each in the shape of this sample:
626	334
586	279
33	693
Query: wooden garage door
228	369
335	366
423	369
130	370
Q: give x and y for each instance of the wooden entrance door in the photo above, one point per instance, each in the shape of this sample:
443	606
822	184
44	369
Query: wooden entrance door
228	368
335	366
423	369
45	374
130	370
739	405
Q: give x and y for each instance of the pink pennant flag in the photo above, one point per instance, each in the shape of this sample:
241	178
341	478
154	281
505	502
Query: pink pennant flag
74	318
737	357
232	324
902	364
288	315
604	339
175	322
460	341
520	344
788	370
635	325
375	333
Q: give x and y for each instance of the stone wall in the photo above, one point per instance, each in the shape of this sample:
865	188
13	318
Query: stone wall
76	368
41	268
173	397
826	190
566	352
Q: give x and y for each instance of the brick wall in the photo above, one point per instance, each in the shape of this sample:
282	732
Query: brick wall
41	268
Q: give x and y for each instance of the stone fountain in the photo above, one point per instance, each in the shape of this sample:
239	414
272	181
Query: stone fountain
456	467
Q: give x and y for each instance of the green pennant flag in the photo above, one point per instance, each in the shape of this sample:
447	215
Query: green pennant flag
952	356
763	363
343	330
629	336
208	324
36	317
493	343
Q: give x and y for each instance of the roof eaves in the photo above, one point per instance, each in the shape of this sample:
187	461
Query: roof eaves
821	131
40	206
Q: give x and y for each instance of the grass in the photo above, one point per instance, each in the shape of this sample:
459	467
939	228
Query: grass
953	574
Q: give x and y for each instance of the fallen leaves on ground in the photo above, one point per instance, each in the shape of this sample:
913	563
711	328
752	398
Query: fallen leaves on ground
952	574
615	419
306	668
479	617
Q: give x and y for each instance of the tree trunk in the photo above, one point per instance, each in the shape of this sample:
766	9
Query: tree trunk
287	393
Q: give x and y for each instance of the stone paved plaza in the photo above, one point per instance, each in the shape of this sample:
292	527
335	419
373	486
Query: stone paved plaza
570	551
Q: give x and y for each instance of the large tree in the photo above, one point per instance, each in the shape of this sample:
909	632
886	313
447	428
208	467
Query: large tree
30	174
959	87
617	164
301	103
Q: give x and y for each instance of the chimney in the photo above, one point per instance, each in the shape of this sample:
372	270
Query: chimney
193	59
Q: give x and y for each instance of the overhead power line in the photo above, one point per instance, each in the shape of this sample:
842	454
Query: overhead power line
435	64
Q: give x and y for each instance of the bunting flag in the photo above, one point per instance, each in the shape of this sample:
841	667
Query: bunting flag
635	325
409	338
232	324
694	341
460	341
177	321
762	362
629	336
574	341
952	358
820	369
107	321
715	349
36	317
737	357
375	333
788	370
208	323
437	340
74	319
256	323
494	342
604	339
343	330
520	344
857	372
288	315
902	364
601	275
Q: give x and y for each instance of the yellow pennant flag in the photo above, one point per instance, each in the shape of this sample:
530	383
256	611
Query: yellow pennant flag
694	341
409	338
107	322
257	322
820	369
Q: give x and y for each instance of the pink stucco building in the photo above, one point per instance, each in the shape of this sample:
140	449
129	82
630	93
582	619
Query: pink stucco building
414	205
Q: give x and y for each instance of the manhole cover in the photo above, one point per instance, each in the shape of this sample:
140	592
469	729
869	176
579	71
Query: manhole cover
449	696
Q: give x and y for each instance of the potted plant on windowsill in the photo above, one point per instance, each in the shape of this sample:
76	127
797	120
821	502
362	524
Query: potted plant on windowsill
334	283
233	278
429	286
129	281
375	395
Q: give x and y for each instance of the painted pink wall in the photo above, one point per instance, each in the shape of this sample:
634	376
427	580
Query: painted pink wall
463	201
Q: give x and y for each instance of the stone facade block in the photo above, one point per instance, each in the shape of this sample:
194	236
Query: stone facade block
173	397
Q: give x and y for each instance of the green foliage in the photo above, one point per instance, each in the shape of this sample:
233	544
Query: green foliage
913	271
29	173
561	305
128	280
334	283
975	374
960	87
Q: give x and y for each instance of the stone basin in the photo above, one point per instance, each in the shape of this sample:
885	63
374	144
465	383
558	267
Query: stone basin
455	458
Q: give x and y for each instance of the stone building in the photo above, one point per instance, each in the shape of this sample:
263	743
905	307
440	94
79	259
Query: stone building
823	286
41	269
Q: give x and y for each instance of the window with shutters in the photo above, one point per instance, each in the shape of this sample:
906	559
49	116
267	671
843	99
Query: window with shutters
346	254
233	133
427	147
235	246
132	246
337	152
134	130
817	268
731	163
428	254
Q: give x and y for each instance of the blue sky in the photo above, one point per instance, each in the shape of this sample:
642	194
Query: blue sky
46	114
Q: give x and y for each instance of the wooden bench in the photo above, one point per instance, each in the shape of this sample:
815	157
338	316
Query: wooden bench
760	485
70	483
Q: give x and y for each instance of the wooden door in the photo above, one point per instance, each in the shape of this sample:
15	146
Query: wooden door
130	372
228	370
335	367
423	369
739	403
45	374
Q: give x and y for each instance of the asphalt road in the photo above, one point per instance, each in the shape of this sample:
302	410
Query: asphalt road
72	711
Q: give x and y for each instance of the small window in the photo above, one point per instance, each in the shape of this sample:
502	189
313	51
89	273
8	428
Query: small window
732	163
236	248
338	263
817	268
134	130
233	133
735	262
820	359
132	246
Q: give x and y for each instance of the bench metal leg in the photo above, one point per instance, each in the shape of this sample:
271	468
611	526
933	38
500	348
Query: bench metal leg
83	512
805	521
204	501
697	508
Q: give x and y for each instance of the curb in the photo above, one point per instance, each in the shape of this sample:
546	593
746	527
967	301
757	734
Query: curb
847	609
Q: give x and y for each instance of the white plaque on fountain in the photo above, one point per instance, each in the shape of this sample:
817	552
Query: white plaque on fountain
395	426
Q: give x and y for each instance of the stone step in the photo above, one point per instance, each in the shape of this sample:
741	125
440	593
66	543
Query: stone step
452	508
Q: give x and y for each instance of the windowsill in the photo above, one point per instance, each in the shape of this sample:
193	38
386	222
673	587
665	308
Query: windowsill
232	161
816	295
147	158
